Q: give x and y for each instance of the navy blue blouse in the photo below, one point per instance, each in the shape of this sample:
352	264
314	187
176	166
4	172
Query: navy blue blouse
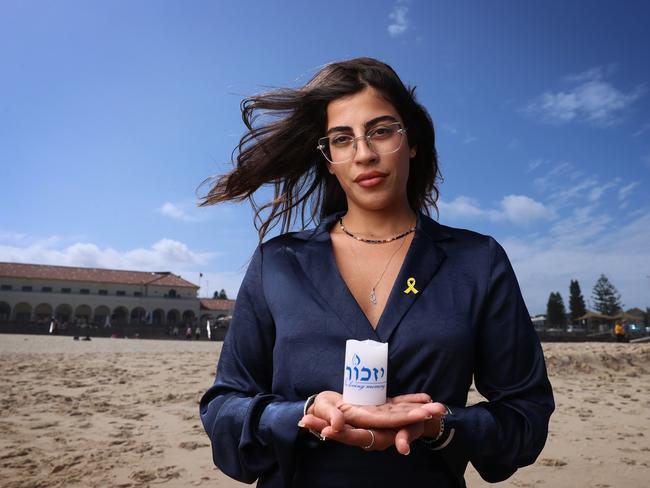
287	339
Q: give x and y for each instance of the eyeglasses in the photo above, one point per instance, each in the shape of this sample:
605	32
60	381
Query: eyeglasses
382	139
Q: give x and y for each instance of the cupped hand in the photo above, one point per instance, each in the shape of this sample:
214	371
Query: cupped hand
400	421
324	417
352	436
397	412
360	437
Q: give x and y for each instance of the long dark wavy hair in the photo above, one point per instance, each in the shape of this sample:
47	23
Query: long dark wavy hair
279	147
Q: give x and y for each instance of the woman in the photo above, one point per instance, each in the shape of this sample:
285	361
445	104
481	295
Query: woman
353	149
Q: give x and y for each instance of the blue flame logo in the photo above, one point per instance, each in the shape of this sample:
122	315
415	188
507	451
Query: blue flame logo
362	373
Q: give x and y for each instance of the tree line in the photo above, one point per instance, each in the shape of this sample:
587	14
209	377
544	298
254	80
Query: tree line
605	299
220	294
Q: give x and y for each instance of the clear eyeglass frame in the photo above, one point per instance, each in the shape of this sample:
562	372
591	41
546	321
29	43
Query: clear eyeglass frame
324	141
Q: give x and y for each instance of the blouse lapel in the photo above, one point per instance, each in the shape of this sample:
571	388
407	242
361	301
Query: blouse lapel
422	261
316	259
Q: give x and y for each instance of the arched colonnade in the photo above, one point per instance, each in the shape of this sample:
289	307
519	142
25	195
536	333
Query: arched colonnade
100	315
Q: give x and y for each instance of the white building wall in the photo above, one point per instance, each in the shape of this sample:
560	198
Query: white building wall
153	297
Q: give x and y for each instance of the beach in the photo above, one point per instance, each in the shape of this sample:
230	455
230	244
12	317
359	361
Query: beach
124	413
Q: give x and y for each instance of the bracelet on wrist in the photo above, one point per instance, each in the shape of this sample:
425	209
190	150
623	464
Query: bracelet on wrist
428	441
310	401
432	442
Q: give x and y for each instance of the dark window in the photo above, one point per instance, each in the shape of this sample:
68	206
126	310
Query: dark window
84	291
66	290
27	288
120	293
172	294
6	288
137	293
46	289
103	292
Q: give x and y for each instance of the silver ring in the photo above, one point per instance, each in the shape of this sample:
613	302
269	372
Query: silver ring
372	441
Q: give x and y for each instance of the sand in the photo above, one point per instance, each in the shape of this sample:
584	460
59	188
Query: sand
124	413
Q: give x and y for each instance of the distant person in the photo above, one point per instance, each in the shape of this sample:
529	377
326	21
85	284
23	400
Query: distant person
175	332
188	333
85	329
197	332
619	332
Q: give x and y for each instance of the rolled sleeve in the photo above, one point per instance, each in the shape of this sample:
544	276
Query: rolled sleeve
252	431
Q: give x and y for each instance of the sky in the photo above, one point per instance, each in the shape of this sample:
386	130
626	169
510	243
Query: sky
112	114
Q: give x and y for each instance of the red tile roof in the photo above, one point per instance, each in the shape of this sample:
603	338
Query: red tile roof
94	275
217	304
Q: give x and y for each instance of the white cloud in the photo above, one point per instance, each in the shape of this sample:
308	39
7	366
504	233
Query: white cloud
625	191
449	128
12	237
516	209
573	191
592	99
580	227
172	211
581	249
597	192
459	208
581	245
163	255
454	131
469	139
563	185
558	173
597	73
642	130
536	163
399	22
521	210
166	254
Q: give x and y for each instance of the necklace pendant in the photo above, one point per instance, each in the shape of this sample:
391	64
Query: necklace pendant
373	297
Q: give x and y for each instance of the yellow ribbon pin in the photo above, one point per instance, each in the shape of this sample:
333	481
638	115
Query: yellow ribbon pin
411	286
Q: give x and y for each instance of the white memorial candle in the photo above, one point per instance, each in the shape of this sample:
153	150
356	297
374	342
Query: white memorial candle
366	372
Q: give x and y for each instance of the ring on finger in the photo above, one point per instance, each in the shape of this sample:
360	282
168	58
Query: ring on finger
372	441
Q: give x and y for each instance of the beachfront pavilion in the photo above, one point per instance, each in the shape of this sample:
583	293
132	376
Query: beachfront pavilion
35	293
598	322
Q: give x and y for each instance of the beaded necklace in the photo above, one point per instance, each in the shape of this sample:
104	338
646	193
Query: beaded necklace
375	241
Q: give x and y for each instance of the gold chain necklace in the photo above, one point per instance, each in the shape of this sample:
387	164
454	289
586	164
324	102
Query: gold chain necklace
373	294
